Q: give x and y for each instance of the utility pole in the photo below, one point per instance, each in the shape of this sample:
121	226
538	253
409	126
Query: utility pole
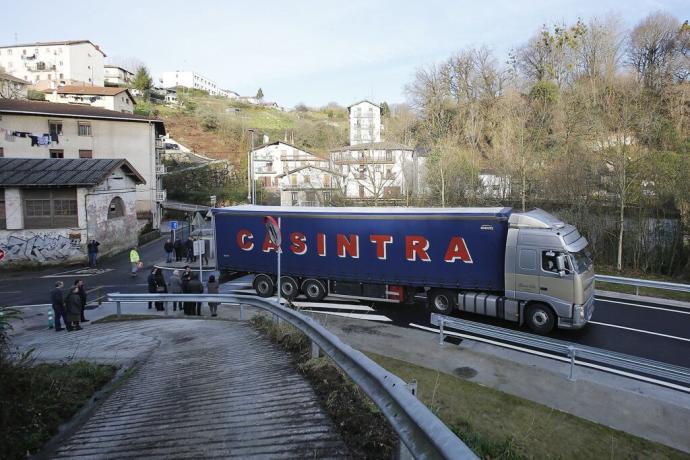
250	168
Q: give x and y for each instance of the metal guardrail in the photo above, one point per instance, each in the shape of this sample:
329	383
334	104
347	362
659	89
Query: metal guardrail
638	283
421	431
644	369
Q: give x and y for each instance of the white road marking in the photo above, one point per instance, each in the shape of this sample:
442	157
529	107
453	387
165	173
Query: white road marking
557	358
641	331
33	305
649	306
80	272
334	306
10	292
353	315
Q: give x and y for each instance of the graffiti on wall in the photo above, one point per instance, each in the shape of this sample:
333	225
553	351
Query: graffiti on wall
40	248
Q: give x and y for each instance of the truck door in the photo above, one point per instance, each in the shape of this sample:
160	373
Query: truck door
527	272
559	286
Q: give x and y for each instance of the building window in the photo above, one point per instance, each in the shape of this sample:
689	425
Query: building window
54	153
55	127
40	66
85	153
84	128
116	208
307	180
295	198
326	197
2	152
50	208
389	155
3	222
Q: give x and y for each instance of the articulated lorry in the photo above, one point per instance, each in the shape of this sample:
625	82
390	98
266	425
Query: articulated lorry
525	267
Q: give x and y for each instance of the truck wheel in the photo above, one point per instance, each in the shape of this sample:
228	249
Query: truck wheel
442	301
314	290
288	288
540	318
264	285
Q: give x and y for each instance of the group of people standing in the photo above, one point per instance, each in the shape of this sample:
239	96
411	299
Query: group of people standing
186	282
177	251
68	307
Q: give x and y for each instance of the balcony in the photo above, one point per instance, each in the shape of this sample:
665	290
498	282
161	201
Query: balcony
263	157
160	170
363	161
40	67
159	144
161	196
265	170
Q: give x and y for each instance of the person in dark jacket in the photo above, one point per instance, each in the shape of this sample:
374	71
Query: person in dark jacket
195	287
186	276
177	246
168	247
212	288
57	298
153	284
161	287
189	246
92	249
82	295
73	307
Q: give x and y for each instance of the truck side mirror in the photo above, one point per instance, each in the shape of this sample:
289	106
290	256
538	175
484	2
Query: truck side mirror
560	263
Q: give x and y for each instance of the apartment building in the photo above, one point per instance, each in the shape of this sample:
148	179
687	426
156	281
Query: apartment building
107	97
190	79
12	87
365	122
116	76
48	64
35	129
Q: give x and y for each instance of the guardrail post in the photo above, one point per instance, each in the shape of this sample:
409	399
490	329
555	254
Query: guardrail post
637	290
241	312
165	307
441	337
99	293
119	310
314	350
403	452
571	353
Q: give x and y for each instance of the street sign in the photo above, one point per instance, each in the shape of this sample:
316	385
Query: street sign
173	225
2	255
199	248
273	230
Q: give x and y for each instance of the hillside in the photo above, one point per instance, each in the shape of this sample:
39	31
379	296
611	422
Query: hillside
220	128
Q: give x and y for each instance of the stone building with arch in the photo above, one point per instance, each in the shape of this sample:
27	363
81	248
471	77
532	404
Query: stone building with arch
51	208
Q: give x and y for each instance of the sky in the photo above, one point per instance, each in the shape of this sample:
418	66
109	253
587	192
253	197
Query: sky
311	52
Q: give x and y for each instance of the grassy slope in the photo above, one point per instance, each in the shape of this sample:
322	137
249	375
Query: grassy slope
498	425
36	400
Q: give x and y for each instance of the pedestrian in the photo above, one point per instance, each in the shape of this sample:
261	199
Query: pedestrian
161	287
212	288
92	248
176	287
189	246
57	298
207	250
154	288
177	246
82	296
168	247
186	276
73	306
195	287
134	261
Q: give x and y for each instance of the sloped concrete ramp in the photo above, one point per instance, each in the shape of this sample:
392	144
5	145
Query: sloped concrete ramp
208	389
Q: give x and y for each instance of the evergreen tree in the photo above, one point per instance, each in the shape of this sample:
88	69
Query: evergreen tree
260	94
142	79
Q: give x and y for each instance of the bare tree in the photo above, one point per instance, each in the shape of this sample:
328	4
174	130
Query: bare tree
654	49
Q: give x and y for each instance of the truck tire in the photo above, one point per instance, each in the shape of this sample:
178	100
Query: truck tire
540	318
288	288
264	285
442	301
314	290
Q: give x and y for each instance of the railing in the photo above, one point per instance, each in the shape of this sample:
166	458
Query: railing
638	283
617	363
363	161
421	431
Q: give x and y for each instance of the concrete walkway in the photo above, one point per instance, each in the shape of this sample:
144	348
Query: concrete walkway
204	389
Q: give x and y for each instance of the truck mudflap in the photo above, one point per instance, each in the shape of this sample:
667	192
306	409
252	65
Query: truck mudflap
581	316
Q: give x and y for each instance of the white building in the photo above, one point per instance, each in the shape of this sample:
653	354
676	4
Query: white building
34	129
365	122
12	87
50	209
117	76
49	64
107	97
300	177
190	79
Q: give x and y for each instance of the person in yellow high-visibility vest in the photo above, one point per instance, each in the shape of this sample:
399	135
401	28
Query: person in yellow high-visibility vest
134	260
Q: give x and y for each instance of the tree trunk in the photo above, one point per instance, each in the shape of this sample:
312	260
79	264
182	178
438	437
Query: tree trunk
619	260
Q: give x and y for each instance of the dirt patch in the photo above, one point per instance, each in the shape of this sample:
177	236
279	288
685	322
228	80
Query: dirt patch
465	372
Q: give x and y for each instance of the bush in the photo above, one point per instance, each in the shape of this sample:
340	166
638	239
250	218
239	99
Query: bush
34	95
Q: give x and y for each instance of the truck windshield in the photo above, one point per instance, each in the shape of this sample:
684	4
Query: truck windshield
582	260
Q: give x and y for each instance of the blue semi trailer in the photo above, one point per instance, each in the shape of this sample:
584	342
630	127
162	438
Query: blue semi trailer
526	267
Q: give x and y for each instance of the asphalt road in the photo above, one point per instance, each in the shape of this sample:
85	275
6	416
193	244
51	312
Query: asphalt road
652	330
